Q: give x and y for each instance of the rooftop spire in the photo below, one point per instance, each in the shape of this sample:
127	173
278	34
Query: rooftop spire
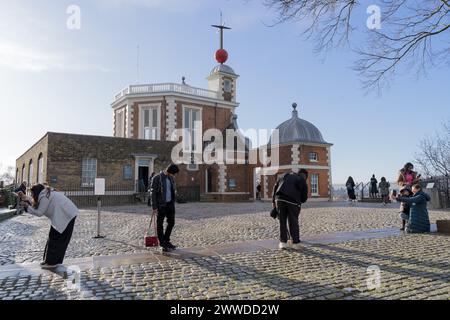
294	112
221	27
221	54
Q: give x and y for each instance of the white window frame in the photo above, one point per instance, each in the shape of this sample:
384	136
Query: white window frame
200	111
142	110
316	157
314	184
40	169
225	88
83	171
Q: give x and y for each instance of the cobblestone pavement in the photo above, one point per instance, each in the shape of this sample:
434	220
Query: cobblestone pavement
411	266
198	224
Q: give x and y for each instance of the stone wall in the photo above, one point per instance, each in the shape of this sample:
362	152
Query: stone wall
32	154
63	155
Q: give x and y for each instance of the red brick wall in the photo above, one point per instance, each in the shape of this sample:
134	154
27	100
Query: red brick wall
212	117
321	152
135	123
323	182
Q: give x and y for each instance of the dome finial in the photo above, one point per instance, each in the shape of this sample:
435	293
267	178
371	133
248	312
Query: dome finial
294	112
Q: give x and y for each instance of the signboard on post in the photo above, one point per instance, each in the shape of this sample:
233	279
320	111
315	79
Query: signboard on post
99	187
99	190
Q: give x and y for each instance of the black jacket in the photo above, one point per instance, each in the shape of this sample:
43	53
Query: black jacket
158	190
291	187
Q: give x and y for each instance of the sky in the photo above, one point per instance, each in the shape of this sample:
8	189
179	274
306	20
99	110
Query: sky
53	78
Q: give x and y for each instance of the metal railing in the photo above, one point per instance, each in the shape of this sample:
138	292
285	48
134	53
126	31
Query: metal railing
442	185
166	88
115	193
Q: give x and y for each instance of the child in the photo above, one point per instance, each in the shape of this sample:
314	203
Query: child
404	214
384	190
419	220
22	197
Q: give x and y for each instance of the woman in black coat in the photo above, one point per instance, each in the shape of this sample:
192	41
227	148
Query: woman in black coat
350	184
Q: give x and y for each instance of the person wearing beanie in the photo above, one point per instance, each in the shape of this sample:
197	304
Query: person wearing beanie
163	204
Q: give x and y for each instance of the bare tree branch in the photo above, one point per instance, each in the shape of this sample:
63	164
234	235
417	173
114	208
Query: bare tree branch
406	38
434	154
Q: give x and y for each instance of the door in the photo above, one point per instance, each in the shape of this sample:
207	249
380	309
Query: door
143	178
208	180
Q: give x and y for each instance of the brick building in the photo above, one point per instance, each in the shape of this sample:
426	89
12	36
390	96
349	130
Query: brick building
300	146
150	121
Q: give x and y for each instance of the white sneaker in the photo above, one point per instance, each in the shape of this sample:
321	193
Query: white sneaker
283	245
296	246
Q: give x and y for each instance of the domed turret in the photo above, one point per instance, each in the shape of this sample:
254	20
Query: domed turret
297	130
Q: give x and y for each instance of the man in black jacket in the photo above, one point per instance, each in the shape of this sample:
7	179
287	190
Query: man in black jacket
288	195
163	204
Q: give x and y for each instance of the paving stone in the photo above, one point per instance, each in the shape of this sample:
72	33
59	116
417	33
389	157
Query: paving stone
412	266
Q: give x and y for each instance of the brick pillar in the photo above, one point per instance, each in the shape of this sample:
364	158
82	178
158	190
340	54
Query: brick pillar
330	180
131	123
266	187
295	154
171	119
222	178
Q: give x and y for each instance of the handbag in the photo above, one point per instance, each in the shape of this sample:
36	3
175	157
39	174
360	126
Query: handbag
274	213
151	240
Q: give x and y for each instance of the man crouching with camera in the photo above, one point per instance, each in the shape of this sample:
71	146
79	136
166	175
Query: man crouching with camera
289	193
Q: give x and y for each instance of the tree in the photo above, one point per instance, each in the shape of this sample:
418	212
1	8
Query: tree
434	154
405	37
7	174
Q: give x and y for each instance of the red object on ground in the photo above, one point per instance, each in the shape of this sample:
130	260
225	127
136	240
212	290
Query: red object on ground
221	56
151	240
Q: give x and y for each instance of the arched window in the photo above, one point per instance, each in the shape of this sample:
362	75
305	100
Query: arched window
22	176
30	173
17	176
40	169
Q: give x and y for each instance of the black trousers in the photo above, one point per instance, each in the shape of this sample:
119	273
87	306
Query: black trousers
288	214
167	212
57	244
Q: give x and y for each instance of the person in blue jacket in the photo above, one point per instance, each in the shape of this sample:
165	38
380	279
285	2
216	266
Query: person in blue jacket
419	220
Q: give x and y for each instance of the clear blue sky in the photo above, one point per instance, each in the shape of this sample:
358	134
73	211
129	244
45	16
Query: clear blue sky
56	79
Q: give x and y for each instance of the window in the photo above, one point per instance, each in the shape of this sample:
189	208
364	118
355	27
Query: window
30	173
192	166
151	123
232	183
227	85
41	169
315	184
313	157
120	132
127	172
17	176
88	172
23	173
192	126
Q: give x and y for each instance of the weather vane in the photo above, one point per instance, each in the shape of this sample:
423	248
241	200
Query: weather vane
221	54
